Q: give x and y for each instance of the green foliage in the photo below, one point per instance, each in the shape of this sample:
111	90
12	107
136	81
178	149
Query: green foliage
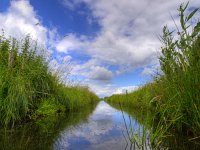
138	99
27	87
180	63
174	97
49	107
75	97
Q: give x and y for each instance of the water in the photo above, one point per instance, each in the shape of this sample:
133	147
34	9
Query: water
104	129
97	128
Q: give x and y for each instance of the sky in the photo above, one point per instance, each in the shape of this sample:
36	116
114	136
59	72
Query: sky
109	45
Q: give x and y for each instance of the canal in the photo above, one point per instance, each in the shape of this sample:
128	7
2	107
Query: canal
99	127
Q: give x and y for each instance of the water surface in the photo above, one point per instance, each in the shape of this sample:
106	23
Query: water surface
104	129
100	127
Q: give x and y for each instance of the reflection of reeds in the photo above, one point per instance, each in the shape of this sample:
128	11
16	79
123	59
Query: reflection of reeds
138	138
44	133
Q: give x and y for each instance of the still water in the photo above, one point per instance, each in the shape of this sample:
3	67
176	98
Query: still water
104	129
97	128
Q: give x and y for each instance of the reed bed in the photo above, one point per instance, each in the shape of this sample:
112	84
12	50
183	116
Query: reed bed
173	98
28	88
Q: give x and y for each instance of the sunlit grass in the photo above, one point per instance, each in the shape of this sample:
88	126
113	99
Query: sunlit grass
173	98
27	86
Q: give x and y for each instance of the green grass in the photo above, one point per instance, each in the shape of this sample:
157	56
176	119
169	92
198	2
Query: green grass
173	98
27	87
138	99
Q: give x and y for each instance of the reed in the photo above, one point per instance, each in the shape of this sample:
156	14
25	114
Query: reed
173	97
27	86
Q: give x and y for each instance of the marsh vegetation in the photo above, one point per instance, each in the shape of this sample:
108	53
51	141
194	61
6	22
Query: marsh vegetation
36	104
171	104
28	90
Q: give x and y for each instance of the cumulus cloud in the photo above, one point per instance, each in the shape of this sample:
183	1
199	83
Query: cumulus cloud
147	71
128	89
20	19
70	42
102	89
100	73
129	30
151	70
128	37
71	4
83	69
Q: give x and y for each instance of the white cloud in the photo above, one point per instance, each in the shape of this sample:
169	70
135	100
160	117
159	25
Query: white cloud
20	19
147	71
151	70
128	89
100	73
102	89
70	42
71	4
84	69
61	67
129	30
128	37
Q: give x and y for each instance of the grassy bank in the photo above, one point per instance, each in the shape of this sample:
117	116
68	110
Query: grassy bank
174	97
28	90
138	99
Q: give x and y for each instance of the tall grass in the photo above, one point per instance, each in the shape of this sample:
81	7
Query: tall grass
174	96
138	99
26	82
179	106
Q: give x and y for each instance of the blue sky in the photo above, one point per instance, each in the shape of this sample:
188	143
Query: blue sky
54	13
108	45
